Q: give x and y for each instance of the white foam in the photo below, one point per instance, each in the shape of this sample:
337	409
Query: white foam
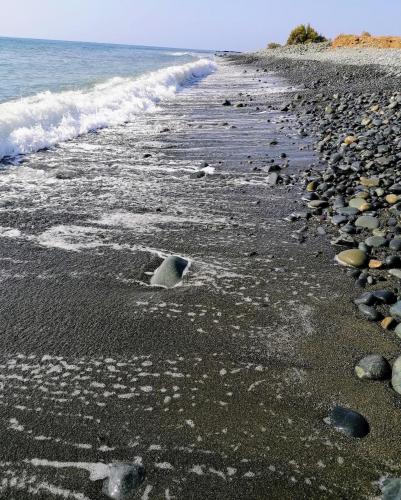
43	120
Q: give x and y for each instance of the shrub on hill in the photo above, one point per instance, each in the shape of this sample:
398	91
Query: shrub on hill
365	33
303	34
273	45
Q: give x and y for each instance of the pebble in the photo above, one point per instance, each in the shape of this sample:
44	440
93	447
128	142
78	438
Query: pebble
395	310
352	258
396	375
391	489
370	313
348	422
376	241
170	273
373	367
123	480
367	222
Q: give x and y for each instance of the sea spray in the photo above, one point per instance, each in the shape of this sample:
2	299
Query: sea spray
33	123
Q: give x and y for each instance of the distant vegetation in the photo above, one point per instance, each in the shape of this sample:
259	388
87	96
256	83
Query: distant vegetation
273	45
303	34
365	33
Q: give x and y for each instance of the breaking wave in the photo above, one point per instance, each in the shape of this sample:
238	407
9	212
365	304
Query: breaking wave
33	123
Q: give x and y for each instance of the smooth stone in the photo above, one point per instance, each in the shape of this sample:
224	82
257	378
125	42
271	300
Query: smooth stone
348	229
395	244
391	489
316	204
348	422
339	219
373	367
372	182
352	258
364	247
397	330
367	222
395	272
123	480
369	313
376	241
366	298
395	310
360	203
170	273
392	199
273	178
379	232
396	375
393	261
384	296
344	240
347	211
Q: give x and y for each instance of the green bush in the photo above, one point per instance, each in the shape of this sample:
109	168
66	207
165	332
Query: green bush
273	45
304	34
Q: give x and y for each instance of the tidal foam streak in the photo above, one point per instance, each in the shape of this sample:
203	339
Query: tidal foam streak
37	122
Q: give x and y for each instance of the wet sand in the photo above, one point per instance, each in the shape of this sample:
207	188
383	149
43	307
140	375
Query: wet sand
218	386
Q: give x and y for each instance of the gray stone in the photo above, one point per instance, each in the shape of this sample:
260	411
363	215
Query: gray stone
373	367
367	222
396	273
123	480
396	375
369	312
376	241
395	310
170	273
395	244
348	422
391	489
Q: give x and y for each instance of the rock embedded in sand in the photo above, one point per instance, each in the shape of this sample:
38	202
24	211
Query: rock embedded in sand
360	203
352	258
391	489
396	375
123	480
376	241
348	422
373	367
170	273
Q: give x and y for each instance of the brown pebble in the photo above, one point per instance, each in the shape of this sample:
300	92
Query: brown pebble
387	323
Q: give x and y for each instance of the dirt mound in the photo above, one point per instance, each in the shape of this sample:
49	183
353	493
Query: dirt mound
379	42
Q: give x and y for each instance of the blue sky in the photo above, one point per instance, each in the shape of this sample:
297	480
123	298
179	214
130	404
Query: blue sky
208	24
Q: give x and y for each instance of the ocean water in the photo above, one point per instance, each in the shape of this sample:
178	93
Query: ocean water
53	91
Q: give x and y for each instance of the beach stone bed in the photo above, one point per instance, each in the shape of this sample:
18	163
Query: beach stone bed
349	102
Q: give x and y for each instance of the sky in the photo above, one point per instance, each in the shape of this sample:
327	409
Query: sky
199	24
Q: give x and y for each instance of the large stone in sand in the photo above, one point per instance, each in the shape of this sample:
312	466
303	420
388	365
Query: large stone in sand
123	480
348	422
169	274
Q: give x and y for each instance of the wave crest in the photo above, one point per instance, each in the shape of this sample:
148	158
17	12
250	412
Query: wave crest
46	119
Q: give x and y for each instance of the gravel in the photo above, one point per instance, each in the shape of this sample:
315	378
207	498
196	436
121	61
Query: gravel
389	58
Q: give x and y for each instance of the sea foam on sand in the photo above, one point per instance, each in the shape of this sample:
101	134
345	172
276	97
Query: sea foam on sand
33	123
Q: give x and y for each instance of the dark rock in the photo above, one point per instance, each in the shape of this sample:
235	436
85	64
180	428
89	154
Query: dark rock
123	480
348	422
370	313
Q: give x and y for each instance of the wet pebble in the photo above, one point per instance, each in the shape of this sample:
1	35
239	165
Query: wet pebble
373	367
348	422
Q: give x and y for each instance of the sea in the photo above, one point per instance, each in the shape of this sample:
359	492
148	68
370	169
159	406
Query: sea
54	91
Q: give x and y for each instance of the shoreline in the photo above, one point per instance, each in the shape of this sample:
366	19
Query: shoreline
221	385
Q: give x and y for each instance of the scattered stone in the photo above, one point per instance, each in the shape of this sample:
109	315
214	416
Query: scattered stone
373	367
352	258
396	375
387	323
123	480
391	489
370	313
348	422
395	310
170	273
369	182
367	222
376	241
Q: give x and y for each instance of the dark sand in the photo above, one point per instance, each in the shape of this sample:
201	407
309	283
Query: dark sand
219	386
